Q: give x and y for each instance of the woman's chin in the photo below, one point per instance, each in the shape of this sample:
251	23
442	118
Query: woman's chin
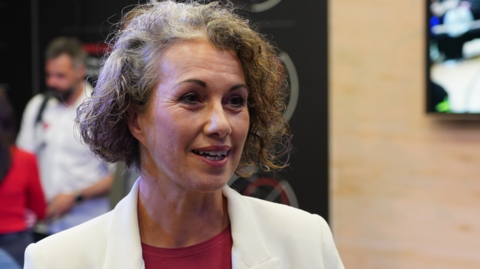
209	185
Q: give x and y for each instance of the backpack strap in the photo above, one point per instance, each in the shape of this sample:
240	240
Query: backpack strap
43	105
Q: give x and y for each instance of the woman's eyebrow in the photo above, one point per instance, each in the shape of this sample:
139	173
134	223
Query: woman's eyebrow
196	81
203	84
238	86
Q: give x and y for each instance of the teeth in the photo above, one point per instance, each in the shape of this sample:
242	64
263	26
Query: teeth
214	158
213	153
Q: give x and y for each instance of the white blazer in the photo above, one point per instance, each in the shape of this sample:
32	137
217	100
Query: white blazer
265	236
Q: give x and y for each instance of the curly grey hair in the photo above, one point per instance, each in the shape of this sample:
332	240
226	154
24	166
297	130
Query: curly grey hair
131	71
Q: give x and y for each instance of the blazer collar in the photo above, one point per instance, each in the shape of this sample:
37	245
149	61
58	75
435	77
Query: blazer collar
124	248
249	250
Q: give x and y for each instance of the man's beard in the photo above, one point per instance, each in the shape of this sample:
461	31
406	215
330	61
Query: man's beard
62	95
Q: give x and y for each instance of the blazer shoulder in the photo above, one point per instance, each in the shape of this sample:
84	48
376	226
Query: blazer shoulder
83	245
291	232
274	217
280	212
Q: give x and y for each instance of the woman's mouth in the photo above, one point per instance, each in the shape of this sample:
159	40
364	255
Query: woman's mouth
212	155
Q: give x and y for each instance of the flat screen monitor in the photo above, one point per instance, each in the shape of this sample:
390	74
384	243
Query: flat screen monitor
453	57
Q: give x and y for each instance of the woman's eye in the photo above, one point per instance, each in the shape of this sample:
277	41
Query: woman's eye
190	98
237	101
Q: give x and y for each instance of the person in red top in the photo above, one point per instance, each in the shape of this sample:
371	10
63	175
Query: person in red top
20	188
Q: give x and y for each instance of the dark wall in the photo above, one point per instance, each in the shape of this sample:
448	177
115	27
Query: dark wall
299	30
16	52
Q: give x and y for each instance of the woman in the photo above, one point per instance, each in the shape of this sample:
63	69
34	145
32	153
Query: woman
189	95
20	188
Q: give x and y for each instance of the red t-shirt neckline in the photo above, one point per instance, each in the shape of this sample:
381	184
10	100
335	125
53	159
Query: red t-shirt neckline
213	253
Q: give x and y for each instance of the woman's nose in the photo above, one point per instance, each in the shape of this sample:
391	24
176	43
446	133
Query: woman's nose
217	122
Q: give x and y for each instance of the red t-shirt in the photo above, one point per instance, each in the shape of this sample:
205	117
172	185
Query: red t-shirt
20	190
215	253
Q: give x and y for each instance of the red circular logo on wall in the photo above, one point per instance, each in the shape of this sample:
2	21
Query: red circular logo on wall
266	188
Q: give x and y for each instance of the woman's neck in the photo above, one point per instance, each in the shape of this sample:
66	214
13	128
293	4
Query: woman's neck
172	218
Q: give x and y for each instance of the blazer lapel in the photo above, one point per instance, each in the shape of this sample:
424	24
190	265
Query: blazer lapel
124	248
249	250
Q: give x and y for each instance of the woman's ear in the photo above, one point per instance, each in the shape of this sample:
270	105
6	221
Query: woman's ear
135	126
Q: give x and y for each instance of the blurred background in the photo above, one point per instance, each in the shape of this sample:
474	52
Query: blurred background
405	187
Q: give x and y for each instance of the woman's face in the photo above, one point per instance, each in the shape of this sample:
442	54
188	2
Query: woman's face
194	129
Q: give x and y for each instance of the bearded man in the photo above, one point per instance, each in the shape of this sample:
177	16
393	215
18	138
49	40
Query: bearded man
75	183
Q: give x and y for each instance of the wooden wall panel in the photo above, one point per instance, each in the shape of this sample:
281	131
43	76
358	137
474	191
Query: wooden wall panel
405	188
